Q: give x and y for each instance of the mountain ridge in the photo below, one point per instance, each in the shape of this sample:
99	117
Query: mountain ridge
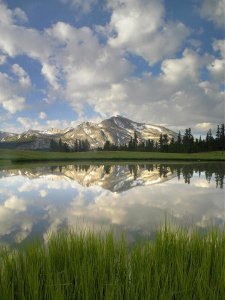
116	129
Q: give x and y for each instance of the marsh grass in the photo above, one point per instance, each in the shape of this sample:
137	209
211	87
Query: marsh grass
176	265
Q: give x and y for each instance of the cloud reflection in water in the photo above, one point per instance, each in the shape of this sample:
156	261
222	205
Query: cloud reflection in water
131	197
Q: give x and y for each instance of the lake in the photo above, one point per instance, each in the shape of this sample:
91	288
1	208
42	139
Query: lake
131	197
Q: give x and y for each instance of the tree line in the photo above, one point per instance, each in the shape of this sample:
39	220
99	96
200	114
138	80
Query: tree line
185	143
78	146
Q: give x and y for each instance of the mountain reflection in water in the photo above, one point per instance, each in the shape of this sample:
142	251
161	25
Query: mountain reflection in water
133	197
119	178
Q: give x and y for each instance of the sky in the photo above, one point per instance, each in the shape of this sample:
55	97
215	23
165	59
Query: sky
63	62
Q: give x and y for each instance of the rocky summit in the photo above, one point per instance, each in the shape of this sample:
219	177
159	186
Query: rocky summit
118	130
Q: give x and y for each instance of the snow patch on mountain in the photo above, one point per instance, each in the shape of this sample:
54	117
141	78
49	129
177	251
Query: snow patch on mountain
152	127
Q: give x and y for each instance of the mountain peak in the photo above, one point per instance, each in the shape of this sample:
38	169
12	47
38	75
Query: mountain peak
119	117
117	129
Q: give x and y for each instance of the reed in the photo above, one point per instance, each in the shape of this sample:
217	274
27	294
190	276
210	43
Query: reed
88	265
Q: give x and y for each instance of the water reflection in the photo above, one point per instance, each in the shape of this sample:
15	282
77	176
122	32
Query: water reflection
133	197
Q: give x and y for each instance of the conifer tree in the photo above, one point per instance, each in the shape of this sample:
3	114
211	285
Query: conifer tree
107	146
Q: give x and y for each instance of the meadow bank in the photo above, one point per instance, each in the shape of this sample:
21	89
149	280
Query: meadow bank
10	157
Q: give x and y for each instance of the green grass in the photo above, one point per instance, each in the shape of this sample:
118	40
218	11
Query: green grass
9	157
176	265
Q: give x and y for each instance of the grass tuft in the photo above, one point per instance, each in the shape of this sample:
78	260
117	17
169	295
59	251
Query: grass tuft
176	265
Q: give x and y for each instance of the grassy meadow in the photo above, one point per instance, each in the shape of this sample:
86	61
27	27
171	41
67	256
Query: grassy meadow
176	265
10	157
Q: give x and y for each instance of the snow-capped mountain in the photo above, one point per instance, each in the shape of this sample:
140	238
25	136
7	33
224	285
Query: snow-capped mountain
4	135
118	130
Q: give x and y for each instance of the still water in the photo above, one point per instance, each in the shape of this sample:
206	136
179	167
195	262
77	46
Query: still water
130	197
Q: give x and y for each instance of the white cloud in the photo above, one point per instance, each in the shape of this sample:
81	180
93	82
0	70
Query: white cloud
89	69
204	126
60	124
14	105
51	74
28	123
219	45
184	69
6	15
13	16
182	102
175	97
19	40
11	96
180	69
3	59
217	66
20	15
214	10
217	70
19	71
22	75
13	90
42	115
87	73
139	26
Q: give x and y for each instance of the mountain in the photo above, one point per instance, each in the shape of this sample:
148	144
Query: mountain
5	135
118	130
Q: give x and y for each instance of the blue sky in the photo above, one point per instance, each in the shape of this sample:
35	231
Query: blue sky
67	61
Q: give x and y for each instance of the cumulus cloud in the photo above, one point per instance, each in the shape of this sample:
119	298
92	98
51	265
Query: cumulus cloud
178	91
42	115
86	72
50	72
25	123
204	126
214	11
60	124
180	69
3	59
217	66
12	93
14	105
22	75
219	45
20	15
139	26
19	40
89	69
